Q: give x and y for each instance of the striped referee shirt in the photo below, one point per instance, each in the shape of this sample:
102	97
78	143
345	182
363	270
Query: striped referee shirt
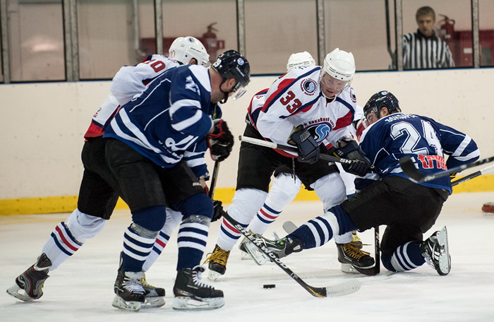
422	52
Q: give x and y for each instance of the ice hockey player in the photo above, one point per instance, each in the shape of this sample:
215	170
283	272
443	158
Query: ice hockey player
310	107
94	209
407	209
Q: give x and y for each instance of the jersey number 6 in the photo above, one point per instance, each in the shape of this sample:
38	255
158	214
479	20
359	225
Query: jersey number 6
289	98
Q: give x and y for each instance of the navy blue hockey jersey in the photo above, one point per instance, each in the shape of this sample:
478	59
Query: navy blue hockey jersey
425	140
172	115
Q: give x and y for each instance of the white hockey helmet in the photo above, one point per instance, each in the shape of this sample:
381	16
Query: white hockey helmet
301	59
183	49
340	64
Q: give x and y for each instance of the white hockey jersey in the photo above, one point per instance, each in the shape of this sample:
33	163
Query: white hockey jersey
295	100
128	82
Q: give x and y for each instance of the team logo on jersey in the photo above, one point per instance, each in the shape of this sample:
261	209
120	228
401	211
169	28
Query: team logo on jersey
308	86
319	131
352	95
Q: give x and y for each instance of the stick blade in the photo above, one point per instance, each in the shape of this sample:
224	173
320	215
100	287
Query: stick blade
341	289
408	167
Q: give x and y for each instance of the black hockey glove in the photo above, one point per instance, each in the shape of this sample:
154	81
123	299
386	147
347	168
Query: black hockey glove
220	141
349	149
218	210
308	149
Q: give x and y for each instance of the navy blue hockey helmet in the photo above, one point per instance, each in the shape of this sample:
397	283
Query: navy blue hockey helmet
231	64
380	99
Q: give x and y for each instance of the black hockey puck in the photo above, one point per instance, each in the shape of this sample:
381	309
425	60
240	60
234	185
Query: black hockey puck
269	286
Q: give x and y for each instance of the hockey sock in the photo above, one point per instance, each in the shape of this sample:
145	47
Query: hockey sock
320	230
406	257
173	218
141	236
69	236
246	203
284	189
138	242
192	238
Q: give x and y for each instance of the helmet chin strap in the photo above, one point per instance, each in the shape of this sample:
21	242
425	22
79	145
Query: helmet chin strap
225	99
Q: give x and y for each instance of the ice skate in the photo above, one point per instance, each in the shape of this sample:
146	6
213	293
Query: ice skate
129	292
251	251
217	262
155	296
279	247
192	294
435	250
29	285
351	255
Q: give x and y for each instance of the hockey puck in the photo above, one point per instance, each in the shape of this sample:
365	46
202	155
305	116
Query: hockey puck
488	207
269	286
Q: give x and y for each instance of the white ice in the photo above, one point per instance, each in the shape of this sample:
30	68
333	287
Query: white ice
81	289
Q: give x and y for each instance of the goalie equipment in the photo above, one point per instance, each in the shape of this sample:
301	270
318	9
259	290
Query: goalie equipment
435	250
183	49
302	59
192	294
29	285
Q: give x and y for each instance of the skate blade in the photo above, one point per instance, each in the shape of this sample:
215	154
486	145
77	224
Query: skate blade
191	304
259	257
349	268
19	293
120	303
154	301
444	258
213	275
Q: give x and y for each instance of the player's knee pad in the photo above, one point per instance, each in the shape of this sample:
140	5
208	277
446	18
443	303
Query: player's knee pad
199	204
330	189
152	218
83	226
246	203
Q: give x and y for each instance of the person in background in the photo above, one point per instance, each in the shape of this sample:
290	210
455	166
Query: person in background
423	49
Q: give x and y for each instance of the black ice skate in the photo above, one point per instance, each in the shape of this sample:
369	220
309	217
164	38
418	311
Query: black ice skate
217	262
192	294
350	255
129	292
29	285
155	296
435	250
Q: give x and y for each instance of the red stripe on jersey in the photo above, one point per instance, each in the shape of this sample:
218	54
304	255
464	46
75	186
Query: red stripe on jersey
94	131
281	87
229	226
344	121
65	241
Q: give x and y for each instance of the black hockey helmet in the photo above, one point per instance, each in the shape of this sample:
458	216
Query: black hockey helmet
231	64
380	99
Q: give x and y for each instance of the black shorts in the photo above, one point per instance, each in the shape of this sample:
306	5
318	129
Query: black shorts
407	209
96	196
143	184
257	164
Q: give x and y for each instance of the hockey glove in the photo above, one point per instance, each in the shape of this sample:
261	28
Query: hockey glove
220	141
308	149
218	210
349	149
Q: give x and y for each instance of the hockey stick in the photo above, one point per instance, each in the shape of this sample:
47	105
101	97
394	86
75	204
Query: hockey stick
288	148
473	175
344	288
408	167
290	227
214	177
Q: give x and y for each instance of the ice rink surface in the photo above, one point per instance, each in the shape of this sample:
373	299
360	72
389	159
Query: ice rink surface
81	289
